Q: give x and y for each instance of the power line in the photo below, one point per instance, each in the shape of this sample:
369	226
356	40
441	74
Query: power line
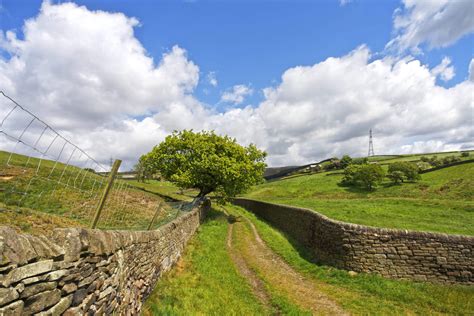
371	144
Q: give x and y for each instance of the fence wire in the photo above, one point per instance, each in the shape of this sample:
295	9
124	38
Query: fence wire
42	171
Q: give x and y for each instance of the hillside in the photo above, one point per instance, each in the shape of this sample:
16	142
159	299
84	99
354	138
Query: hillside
37	199
442	201
273	173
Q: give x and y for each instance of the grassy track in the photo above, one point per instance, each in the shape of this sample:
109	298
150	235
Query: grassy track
441	202
367	294
205	282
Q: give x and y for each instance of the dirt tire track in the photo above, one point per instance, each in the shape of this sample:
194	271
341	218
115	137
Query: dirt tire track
258	288
301	290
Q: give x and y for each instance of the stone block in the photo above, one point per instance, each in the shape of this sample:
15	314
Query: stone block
79	296
59	308
37	288
69	288
7	295
13	309
27	271
41	301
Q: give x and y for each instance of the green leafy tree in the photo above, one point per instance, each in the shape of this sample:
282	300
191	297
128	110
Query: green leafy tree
346	160
465	154
396	176
143	169
207	162
407	169
365	176
360	161
349	173
369	176
435	162
424	159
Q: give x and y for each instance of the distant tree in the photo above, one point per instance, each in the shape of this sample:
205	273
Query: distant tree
424	159
369	176
89	170
207	162
408	170
396	176
349	173
334	164
435	162
365	176
360	161
346	160
423	165
143	169
465	154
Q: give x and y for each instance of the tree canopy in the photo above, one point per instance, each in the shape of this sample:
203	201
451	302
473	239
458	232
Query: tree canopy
365	176
401	171
208	162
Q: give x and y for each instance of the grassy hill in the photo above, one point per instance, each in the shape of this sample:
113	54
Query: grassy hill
72	203
442	201
284	172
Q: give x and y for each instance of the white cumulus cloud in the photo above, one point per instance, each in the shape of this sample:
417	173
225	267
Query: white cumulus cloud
212	79
237	94
444	70
439	23
87	74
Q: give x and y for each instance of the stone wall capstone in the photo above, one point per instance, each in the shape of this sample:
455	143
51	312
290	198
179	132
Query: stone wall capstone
392	253
88	272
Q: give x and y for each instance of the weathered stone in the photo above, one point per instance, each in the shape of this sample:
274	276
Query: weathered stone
27	271
59	308
106	292
441	260
352	273
79	296
88	301
7	268
41	301
7	295
14	309
73	311
88	280
56	275
37	288
20	287
69	288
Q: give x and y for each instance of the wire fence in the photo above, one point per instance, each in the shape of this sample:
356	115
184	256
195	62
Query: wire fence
43	172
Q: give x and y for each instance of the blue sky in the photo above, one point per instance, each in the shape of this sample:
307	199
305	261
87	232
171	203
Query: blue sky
330	71
253	42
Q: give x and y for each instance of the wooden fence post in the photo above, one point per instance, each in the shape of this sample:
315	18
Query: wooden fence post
110	182
154	216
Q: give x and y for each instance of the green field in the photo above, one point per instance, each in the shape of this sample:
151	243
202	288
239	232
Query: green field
417	157
49	204
442	201
206	282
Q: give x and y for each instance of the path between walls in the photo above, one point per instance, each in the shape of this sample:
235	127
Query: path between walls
260	265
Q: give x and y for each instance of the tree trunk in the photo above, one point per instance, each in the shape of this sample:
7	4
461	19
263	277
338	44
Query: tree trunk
203	192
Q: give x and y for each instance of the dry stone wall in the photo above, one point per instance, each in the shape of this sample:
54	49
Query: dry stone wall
93	272
391	253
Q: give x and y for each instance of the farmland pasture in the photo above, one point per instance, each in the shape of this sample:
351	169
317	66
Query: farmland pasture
442	201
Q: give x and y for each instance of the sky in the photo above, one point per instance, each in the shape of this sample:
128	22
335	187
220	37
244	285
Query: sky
303	80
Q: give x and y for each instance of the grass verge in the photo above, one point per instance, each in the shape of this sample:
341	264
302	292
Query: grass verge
442	201
368	294
206	281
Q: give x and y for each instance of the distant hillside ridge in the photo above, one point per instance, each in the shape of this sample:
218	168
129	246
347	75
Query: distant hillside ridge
272	173
285	171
